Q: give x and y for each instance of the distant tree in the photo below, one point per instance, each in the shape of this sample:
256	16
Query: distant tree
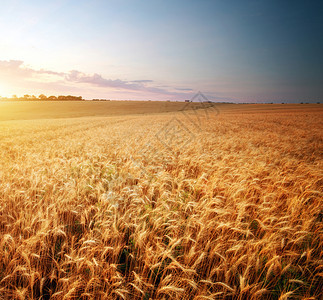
61	98
69	98
50	98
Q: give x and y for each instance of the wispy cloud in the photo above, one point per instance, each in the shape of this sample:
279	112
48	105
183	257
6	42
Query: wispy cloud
16	67
16	70
183	89
142	81
98	80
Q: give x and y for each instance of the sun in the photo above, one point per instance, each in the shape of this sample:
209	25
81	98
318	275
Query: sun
4	91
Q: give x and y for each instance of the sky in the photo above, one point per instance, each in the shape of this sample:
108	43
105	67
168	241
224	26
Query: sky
230	50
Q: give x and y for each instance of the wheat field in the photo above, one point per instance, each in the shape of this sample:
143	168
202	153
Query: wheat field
199	204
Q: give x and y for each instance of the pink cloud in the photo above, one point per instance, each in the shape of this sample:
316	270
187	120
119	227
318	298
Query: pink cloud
14	72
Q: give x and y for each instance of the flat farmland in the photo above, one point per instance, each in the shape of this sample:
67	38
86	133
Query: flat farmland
147	200
30	110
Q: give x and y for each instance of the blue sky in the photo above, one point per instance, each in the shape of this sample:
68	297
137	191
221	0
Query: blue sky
241	51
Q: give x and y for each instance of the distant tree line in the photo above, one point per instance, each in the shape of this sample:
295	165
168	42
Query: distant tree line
43	97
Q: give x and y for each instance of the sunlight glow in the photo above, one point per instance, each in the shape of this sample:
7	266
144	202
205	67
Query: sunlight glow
6	90
2	91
